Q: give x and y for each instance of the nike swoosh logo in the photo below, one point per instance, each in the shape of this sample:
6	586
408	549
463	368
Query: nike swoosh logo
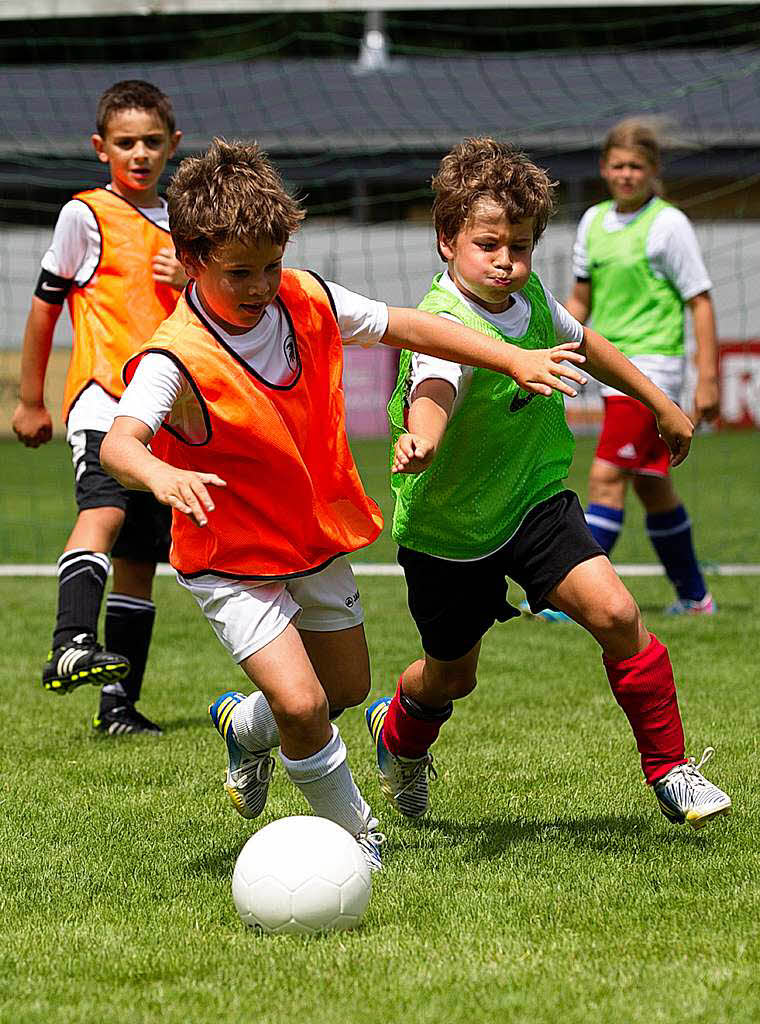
50	287
520	401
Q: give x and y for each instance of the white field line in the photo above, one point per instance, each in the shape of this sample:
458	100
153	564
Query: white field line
391	569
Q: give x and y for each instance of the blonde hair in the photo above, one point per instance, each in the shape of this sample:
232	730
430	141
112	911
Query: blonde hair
635	133
231	193
482	168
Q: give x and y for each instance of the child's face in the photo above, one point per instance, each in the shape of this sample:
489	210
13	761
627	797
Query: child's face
630	177
136	145
238	283
490	257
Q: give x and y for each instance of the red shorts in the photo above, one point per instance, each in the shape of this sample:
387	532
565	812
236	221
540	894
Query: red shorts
629	438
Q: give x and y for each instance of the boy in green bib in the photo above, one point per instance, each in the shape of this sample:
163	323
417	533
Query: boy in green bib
478	478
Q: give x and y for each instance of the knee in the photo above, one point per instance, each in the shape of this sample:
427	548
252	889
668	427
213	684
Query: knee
300	714
134	578
606	485
620	615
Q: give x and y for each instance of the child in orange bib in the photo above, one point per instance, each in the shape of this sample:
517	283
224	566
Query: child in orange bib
240	393
111	259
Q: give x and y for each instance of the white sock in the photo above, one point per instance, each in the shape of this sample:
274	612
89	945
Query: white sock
326	781
253	724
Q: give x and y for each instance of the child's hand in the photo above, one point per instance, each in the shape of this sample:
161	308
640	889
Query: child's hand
184	490
706	401
168	270
676	430
32	424
540	370
412	454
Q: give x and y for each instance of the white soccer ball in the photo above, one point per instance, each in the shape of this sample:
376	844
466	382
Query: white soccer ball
301	875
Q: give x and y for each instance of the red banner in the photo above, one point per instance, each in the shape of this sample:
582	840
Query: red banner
739	363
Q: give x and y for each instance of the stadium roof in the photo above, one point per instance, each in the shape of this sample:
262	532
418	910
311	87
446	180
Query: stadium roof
309	110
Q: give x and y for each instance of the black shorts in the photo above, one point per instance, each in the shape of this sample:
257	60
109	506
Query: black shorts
455	603
145	535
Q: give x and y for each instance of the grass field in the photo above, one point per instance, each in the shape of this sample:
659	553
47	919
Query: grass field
718	482
543	887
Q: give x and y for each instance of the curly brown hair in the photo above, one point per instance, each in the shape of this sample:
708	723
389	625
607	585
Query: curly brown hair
231	193
133	94
482	168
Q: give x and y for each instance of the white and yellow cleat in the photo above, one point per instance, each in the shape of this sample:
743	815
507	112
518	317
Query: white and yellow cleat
685	795
248	771
403	781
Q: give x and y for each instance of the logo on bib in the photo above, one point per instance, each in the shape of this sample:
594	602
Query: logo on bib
520	400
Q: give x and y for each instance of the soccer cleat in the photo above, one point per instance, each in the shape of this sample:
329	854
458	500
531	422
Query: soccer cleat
370	843
248	771
81	661
403	780
545	615
683	606
124	719
685	795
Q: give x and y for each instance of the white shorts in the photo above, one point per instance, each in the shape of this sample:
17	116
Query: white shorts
246	615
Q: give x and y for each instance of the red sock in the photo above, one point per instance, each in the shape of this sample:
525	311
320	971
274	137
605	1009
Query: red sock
644	688
406	735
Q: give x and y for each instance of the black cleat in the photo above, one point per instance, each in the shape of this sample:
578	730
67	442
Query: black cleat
82	661
122	719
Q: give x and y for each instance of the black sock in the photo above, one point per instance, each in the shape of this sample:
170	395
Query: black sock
129	627
82	578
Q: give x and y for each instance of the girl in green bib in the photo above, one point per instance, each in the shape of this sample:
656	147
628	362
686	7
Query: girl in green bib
478	477
637	264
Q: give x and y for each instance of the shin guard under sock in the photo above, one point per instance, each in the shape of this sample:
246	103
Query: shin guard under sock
411	728
645	689
82	579
605	524
128	631
326	781
670	534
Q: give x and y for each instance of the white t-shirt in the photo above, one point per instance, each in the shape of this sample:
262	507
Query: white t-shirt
74	254
74	251
674	255
160	391
513	322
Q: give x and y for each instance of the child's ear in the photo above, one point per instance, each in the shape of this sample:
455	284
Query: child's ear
445	248
190	265
98	145
174	142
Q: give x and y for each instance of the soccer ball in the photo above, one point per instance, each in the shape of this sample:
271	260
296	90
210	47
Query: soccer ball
301	875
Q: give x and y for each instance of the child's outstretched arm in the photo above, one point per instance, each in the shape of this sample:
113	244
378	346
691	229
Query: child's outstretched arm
610	366
124	454
537	370
428	418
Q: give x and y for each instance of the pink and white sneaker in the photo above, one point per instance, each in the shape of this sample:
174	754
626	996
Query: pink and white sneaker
683	606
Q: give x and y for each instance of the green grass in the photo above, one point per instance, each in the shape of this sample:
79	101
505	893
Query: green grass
718	483
544	886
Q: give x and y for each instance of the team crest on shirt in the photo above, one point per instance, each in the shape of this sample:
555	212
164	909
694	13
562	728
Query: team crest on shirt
291	354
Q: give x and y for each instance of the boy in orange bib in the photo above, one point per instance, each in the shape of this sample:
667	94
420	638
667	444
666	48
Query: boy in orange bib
111	259
240	394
